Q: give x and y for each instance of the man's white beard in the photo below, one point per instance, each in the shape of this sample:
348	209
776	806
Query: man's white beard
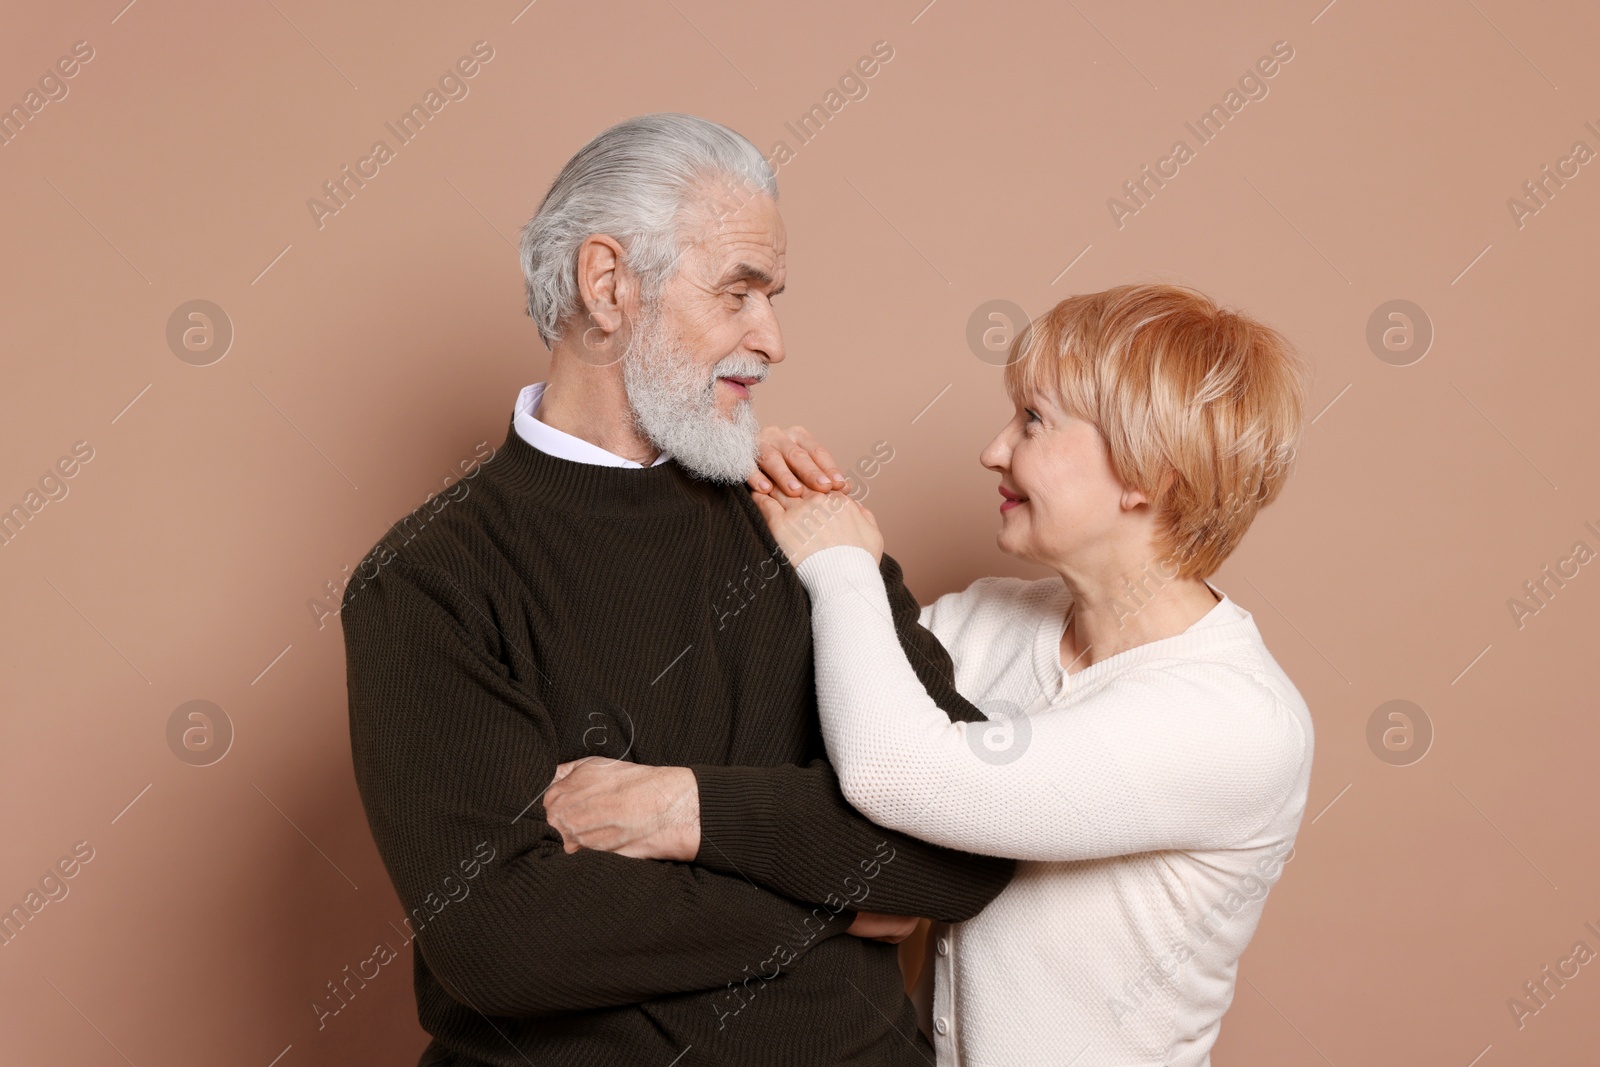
674	402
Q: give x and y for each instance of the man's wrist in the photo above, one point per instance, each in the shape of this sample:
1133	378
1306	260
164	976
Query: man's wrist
684	813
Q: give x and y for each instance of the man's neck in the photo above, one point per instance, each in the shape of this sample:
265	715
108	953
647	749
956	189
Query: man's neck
590	402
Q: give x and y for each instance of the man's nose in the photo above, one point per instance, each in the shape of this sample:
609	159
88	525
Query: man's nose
766	338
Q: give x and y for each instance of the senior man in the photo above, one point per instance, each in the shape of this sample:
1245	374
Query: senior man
572	615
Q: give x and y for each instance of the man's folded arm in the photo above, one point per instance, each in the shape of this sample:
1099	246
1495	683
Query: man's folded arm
451	757
790	828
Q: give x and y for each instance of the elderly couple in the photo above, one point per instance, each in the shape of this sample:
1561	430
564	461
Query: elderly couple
709	830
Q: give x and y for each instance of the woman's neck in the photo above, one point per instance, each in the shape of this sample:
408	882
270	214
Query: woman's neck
1114	614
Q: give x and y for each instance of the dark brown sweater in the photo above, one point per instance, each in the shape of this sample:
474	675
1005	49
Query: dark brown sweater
557	610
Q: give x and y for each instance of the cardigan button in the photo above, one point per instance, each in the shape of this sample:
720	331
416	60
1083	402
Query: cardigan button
941	1025
943	945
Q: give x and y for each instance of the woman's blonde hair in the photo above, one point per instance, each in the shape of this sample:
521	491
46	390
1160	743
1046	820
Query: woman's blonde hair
1200	406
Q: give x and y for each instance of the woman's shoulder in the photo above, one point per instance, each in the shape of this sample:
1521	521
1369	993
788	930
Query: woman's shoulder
1230	701
995	603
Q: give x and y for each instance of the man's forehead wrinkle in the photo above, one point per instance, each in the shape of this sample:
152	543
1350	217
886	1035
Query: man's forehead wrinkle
724	233
722	207
756	248
738	229
707	231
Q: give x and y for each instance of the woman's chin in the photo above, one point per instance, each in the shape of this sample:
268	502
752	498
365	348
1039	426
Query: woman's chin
1009	543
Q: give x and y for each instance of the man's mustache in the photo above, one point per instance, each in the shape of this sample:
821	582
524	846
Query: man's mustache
740	367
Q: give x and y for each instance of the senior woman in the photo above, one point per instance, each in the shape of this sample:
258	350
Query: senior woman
1152	763
1146	757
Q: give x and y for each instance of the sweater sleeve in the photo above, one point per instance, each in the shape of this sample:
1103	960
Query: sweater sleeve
792	829
451	759
1176	756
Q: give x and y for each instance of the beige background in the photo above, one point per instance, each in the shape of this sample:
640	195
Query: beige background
371	355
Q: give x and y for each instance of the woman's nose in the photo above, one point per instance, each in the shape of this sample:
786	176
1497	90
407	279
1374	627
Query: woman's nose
993	456
996	455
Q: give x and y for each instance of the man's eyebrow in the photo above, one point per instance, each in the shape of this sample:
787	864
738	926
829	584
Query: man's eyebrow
747	272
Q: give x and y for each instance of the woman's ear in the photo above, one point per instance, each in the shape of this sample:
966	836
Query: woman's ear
1132	498
600	281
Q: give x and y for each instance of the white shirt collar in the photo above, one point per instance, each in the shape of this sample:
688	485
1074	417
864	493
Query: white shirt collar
554	442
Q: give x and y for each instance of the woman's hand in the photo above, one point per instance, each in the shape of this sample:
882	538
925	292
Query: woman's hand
814	521
790	457
876	926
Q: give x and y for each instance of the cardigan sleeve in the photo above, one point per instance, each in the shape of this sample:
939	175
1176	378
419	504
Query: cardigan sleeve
792	829
1170	756
451	759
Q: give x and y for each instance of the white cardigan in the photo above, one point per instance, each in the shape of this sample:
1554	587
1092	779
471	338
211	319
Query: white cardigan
1153	796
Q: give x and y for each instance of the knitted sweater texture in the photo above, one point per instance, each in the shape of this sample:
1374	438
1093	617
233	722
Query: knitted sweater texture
559	610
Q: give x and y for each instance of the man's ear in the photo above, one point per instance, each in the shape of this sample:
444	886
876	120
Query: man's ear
602	283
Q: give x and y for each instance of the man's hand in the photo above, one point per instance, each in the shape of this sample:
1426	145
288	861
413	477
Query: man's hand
632	810
876	926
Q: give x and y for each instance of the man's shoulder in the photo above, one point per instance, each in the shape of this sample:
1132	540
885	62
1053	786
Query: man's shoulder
448	538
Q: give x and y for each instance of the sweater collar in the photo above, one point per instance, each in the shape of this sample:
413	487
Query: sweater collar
554	442
1226	625
567	484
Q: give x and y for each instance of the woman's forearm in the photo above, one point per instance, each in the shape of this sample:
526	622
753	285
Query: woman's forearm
898	756
1160	757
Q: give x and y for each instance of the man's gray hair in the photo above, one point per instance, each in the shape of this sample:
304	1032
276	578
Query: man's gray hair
633	182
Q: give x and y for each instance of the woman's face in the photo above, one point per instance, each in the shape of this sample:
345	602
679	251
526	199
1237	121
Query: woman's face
1061	503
